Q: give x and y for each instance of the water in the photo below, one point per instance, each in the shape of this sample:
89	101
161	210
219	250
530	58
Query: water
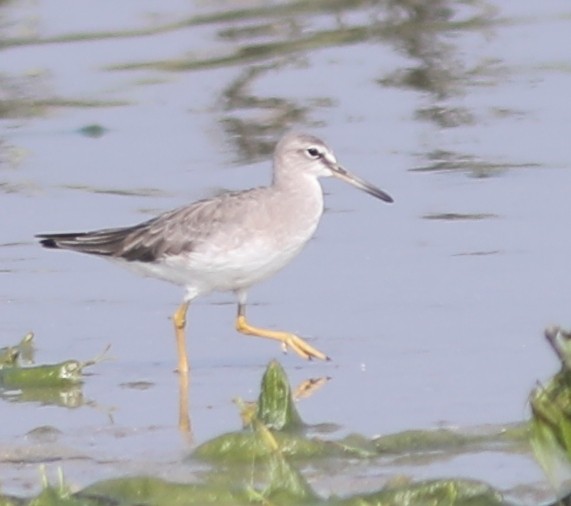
432	309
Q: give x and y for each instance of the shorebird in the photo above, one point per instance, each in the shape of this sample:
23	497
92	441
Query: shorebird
232	241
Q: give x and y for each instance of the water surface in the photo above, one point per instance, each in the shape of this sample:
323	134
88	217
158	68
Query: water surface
435	304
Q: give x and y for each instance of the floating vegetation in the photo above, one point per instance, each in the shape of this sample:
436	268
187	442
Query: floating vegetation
264	462
258	465
22	353
551	416
57	384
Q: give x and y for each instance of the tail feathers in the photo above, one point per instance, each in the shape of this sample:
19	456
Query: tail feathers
48	242
138	243
103	242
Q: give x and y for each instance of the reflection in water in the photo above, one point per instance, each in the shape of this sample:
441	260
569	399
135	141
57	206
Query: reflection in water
48	384
266	462
64	397
459	216
309	387
264	38
442	161
274	449
254	138
30	96
419	29
184	422
123	192
425	33
275	403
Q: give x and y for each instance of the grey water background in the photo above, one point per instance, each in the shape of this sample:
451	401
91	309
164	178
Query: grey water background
432	308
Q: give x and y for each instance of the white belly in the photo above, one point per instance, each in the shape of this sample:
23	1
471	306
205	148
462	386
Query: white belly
229	270
246	248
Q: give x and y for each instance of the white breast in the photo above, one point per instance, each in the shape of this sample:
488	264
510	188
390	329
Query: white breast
263	233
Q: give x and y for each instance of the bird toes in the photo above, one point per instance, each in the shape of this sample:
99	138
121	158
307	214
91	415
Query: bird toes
303	349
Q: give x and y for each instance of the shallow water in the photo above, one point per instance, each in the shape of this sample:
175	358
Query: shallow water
434	305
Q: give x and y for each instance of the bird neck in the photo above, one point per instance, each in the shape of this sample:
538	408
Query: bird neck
301	191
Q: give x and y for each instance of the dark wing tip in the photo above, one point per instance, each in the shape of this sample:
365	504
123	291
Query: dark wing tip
47	242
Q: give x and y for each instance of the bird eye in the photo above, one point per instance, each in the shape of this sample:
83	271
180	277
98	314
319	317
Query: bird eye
313	152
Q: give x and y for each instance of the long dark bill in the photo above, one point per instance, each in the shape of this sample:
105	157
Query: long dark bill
357	182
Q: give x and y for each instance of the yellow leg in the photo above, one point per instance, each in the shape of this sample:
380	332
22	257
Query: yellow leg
287	339
184	423
179	320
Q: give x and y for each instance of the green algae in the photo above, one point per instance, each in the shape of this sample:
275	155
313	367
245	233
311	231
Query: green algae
276	408
22	352
48	384
551	416
53	375
264	462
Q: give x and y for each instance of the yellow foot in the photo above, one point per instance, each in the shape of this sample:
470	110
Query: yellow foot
301	347
288	340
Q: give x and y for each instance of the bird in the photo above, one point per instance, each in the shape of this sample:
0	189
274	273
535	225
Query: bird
232	241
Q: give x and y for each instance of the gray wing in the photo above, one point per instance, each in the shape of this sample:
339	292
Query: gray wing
173	232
